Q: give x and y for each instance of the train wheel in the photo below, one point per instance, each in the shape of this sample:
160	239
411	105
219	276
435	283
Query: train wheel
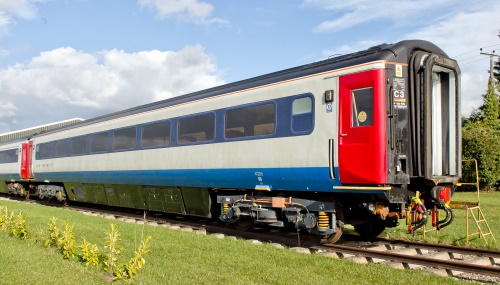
333	238
371	229
244	225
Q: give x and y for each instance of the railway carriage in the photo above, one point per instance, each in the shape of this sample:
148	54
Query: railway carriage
355	139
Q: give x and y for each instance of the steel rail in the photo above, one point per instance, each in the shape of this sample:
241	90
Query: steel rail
415	259
444	247
431	246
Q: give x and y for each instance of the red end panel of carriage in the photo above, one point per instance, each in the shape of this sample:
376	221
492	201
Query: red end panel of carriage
362	128
26	160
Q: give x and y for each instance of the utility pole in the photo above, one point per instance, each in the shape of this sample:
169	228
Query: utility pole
492	57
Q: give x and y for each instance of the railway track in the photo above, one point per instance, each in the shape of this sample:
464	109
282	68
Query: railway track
481	265
460	262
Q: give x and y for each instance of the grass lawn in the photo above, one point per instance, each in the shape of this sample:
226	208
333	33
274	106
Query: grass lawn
456	232
178	257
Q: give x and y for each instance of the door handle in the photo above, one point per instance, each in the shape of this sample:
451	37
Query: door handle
343	135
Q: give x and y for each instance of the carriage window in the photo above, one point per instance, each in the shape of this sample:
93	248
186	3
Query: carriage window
196	129
362	107
124	138
156	134
46	150
99	142
9	156
78	145
302	116
302	106
250	121
62	148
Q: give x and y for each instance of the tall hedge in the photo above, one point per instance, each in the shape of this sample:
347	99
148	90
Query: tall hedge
481	142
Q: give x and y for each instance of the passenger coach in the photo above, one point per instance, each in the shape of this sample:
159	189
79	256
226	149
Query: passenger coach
364	139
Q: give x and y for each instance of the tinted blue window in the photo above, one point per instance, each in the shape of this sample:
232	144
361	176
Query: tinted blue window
46	150
124	138
9	156
99	142
78	145
156	134
196	128
256	120
62	148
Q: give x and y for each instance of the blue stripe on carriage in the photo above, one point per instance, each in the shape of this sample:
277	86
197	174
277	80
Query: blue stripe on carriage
9	176
314	179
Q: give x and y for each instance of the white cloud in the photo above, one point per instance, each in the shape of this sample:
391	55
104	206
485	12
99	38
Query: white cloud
24	9
20	8
190	10
461	33
7	115
8	110
348	14
5	19
11	9
67	83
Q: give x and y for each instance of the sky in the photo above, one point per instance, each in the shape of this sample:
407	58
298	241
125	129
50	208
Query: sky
63	59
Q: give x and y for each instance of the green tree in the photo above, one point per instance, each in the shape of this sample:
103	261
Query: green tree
496	70
491	105
481	140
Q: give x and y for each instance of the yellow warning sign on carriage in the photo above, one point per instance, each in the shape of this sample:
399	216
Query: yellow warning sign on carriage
399	70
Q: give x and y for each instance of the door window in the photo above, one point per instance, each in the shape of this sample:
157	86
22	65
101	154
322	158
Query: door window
362	107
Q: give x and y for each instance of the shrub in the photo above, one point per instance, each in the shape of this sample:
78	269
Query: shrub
53	233
112	238
90	253
18	226
130	268
66	241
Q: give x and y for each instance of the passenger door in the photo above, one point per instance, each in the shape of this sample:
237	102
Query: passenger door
26	160
362	128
